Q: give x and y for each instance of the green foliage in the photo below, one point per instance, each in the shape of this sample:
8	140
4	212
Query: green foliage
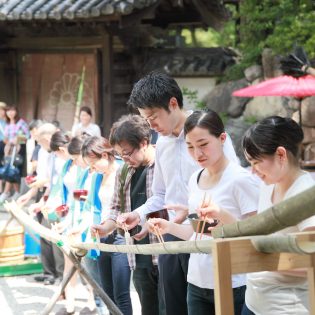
251	120
275	24
201	38
224	117
192	96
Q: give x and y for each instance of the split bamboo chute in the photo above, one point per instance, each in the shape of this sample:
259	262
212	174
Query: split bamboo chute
284	214
236	248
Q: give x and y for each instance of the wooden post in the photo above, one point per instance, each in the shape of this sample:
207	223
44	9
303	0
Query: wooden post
311	285
60	290
106	84
223	293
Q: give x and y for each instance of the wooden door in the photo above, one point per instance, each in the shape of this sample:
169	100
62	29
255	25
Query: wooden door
49	84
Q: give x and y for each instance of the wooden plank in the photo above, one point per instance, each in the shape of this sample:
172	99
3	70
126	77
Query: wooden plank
245	258
54	42
223	293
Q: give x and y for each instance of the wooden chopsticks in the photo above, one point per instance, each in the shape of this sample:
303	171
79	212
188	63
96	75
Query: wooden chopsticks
205	202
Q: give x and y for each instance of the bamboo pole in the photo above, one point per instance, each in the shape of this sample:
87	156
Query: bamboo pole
284	214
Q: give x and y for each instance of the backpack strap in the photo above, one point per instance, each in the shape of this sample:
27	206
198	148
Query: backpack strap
122	181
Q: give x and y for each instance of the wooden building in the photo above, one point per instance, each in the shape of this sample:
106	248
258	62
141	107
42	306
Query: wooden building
49	47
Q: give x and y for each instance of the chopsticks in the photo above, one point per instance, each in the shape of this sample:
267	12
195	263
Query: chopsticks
158	234
205	202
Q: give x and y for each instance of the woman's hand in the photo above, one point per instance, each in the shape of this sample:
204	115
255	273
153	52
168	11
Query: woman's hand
209	211
158	226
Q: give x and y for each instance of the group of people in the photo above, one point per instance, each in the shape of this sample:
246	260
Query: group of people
192	169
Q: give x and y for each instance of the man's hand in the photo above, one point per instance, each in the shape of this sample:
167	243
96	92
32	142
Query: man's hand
100	229
128	220
142	234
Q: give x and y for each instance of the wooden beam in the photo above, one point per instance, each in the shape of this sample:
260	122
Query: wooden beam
208	17
53	42
106	83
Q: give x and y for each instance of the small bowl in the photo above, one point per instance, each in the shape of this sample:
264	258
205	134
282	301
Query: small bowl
62	211
30	179
194	220
159	214
78	193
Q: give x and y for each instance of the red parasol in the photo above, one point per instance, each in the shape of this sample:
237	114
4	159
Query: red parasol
281	86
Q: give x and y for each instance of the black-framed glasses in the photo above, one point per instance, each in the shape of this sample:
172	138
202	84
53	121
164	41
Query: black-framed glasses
127	155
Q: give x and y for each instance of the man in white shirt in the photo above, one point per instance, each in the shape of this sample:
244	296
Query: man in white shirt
160	101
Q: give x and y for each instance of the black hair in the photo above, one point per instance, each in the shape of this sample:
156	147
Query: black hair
75	145
94	147
59	139
209	120
130	128
155	91
86	109
264	137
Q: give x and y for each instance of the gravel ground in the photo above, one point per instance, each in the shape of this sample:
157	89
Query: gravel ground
22	295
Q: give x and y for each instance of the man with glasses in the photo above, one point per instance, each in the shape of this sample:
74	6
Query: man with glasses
130	137
159	100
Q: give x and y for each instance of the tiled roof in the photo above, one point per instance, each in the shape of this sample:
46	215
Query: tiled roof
67	9
190	61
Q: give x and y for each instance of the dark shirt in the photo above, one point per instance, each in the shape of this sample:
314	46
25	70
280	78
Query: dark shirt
138	197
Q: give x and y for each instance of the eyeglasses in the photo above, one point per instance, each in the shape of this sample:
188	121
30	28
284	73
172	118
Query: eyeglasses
127	155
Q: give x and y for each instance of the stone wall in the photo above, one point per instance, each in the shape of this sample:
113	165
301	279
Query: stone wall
240	113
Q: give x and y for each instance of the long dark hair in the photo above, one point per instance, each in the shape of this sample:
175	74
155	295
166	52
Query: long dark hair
209	120
59	139
17	116
264	137
75	145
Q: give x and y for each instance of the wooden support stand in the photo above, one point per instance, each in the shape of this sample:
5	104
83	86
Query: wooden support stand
238	255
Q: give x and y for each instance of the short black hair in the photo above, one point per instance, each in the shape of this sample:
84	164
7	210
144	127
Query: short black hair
130	128
208	119
264	137
155	91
